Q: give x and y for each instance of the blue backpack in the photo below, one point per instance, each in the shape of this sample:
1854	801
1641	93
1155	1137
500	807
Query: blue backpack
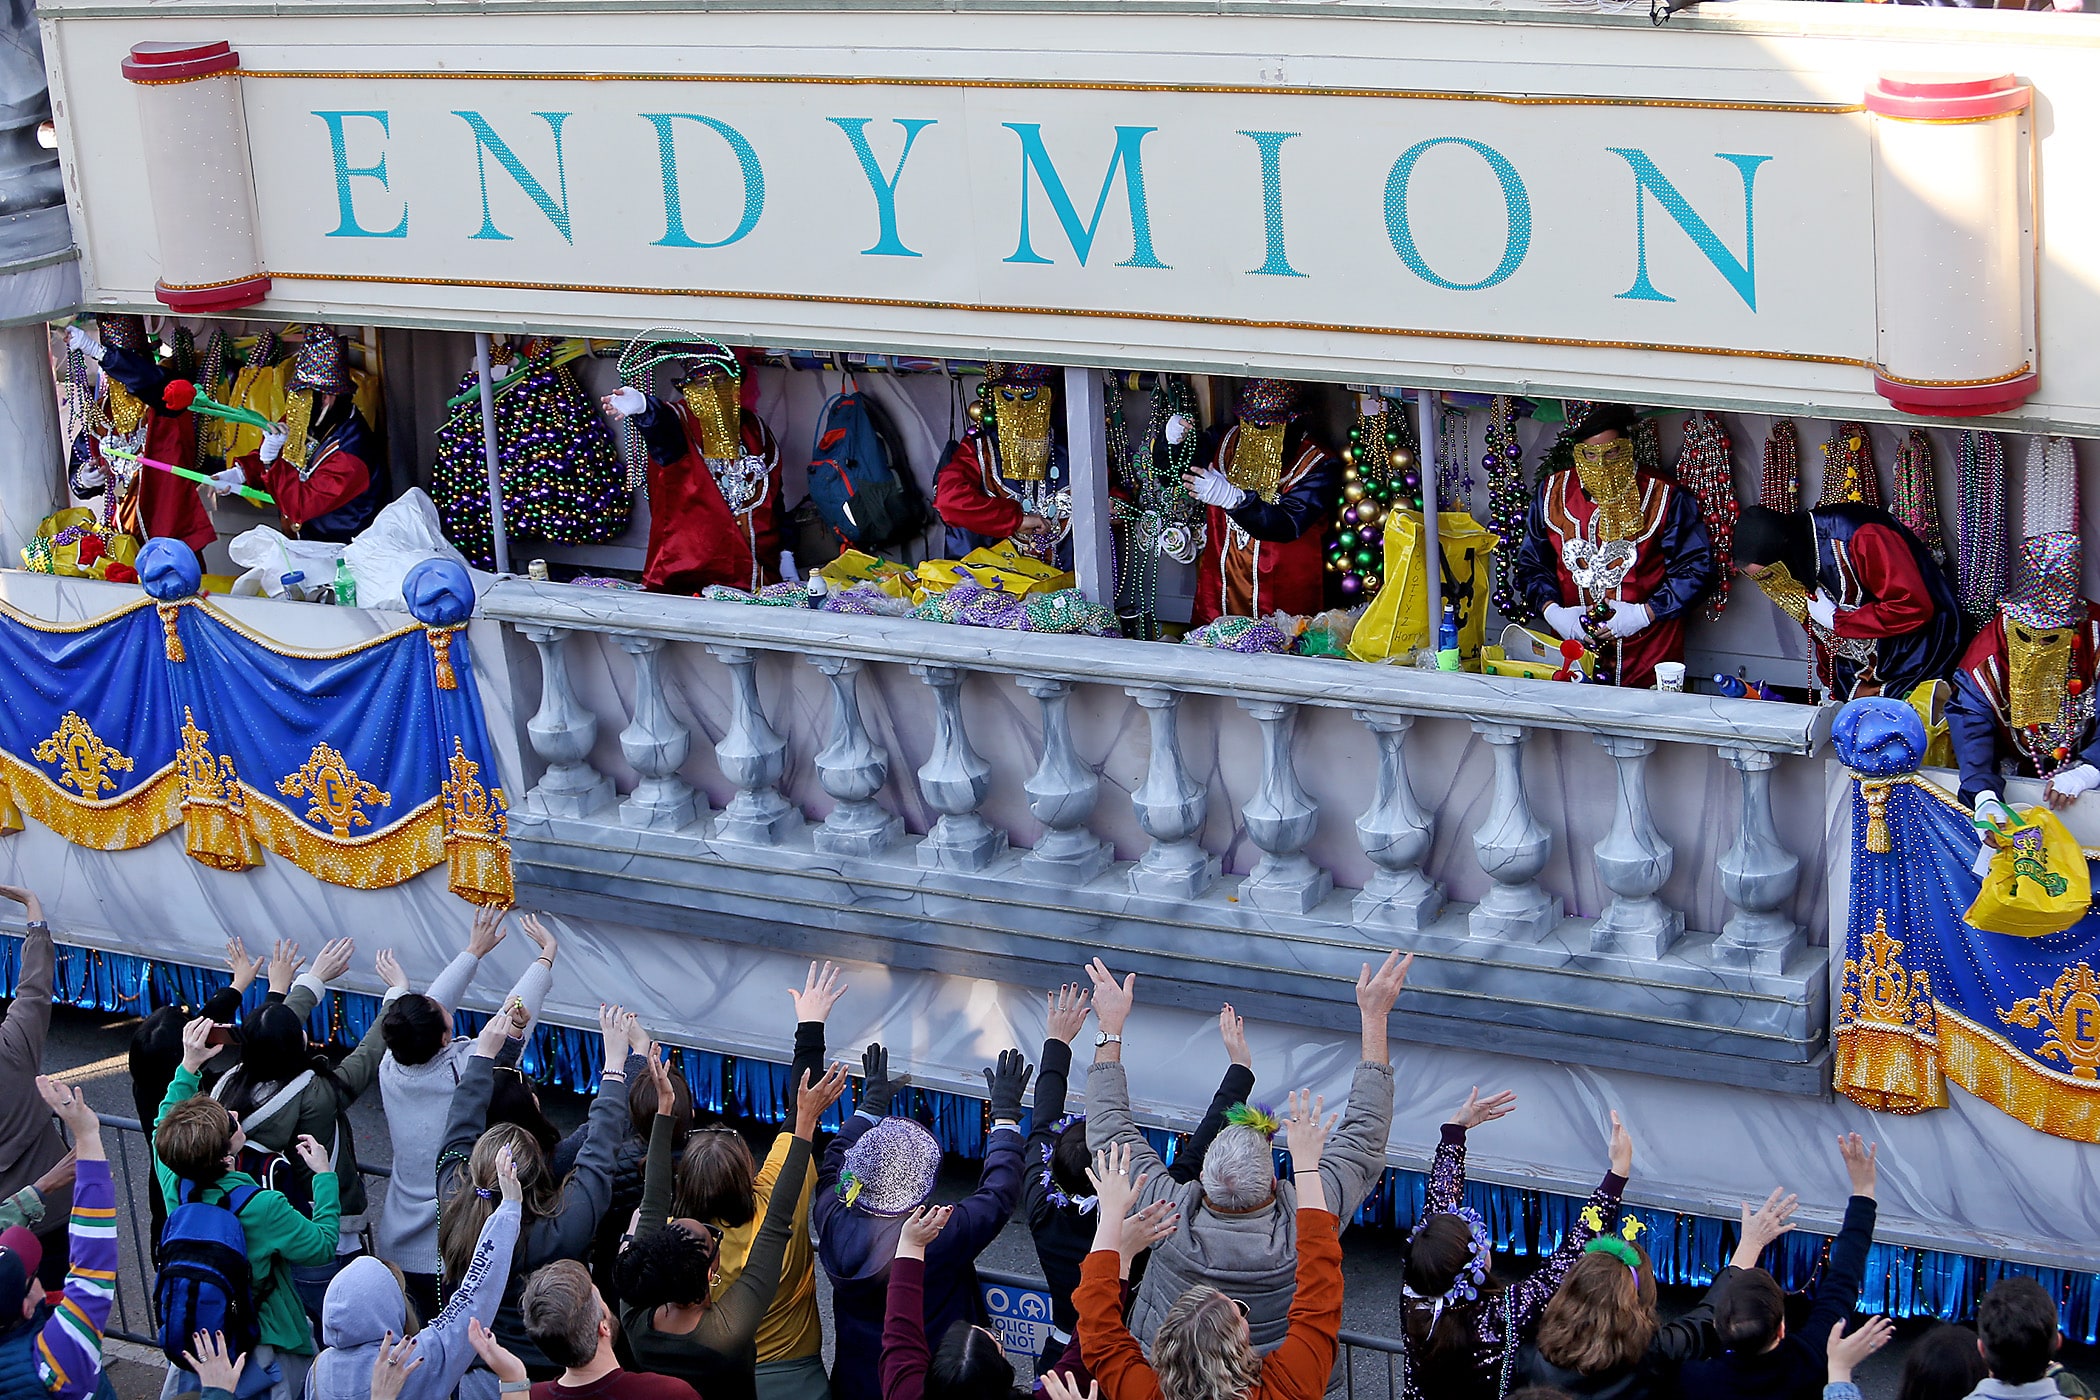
205	1283
855	478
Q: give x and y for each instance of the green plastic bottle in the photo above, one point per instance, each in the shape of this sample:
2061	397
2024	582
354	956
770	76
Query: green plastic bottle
345	584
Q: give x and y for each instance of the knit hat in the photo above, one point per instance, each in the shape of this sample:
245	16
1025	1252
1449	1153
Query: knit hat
322	364
123	332
891	1168
1267	402
1603	418
21	1255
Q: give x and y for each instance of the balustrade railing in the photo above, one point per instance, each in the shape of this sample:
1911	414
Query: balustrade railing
1506	826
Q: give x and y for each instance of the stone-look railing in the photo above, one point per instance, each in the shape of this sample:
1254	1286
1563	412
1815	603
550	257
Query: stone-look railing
1501	955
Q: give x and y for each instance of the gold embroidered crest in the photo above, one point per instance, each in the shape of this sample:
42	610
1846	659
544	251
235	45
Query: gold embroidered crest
2072	1009
336	794
82	756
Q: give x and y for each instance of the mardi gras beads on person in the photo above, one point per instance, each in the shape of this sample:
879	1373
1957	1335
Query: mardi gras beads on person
1980	525
1509	501
1917	498
1705	470
1379	474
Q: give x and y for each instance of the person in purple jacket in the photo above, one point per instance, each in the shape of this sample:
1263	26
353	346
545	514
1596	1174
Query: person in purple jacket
875	1173
56	1352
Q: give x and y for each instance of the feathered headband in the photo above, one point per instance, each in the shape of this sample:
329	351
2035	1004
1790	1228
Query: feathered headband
1259	1117
1619	1246
1472	1278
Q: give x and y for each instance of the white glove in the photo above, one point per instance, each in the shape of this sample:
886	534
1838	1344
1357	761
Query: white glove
788	571
1627	618
232	479
1566	621
1370	404
627	402
1214	490
2074	782
90	476
78	339
1822	610
274	439
1178	426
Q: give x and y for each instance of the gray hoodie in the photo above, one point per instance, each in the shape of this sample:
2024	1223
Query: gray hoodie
364	1304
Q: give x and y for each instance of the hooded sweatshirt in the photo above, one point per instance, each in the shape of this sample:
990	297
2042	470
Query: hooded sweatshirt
365	1305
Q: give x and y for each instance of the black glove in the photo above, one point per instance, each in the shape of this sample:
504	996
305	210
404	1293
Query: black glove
877	1088
1008	1081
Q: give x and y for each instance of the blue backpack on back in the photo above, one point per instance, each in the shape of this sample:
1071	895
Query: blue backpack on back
856	480
205	1283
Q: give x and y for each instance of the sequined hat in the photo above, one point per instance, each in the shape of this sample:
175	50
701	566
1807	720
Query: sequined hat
123	332
1266	402
2048	592
1603	418
322	364
1006	372
891	1168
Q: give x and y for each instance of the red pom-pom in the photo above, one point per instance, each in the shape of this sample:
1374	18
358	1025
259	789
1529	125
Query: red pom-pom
2074	685
2060	753
121	573
179	395
90	549
1571	650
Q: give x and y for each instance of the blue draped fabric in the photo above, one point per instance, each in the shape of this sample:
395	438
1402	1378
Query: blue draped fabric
1687	1249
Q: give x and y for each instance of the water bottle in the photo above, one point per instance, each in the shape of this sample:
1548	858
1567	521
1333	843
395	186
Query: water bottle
1447	640
817	590
345	584
1731	686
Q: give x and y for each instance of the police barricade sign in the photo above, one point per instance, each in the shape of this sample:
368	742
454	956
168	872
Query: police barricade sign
1020	1318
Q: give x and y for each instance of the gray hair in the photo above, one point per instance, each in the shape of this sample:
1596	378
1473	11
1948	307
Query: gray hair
1239	1171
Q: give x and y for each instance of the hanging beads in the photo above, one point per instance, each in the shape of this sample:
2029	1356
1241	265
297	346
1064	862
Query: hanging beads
1509	501
1848	467
1705	469
1779	488
1379	474
1917	498
1980	543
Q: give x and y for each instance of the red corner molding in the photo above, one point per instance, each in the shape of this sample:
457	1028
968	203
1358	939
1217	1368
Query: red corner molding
1931	97
246	292
179	63
1955	400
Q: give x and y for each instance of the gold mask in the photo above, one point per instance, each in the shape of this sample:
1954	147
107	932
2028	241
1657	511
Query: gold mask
1257	459
717	409
298	421
1023	418
1785	591
1607	475
2037	663
126	409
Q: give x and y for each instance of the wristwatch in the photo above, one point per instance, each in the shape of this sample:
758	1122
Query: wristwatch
1104	1038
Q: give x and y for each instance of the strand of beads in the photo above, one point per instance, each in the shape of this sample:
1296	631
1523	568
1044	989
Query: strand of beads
1509	501
1917	498
1848	467
1980	526
1705	470
1780	486
1379	474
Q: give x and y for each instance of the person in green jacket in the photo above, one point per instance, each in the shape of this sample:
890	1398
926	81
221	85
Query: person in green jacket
196	1140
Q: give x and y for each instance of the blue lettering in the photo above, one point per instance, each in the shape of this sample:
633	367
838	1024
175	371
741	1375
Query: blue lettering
754	174
2082	1026
346	207
884	187
488	143
1270	144
1647	180
1128	157
1516	204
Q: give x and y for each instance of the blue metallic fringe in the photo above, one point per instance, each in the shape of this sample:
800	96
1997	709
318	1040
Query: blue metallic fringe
1686	1249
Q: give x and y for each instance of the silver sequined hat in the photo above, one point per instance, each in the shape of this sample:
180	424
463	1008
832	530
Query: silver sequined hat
891	1168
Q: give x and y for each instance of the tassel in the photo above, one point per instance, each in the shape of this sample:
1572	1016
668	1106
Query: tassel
1877	795
441	647
172	640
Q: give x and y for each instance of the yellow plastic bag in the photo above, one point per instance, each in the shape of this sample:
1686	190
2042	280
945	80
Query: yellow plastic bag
855	567
2039	882
1014	571
1398	622
1929	699
64	536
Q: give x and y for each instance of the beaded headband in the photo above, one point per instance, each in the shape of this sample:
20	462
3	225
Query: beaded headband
1619	1246
1053	1193
1471	1279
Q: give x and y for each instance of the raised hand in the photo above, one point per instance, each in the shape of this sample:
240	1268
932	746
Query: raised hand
548	944
1232	1029
812	1101
487	931
613	1027
241	964
1068	1010
921	1229
507	1177
1305	1131
877	1089
1377	991
389	969
197	1048
660	1078
494	1355
1146	1229
285	962
1477	1110
32	908
489	1042
1846	1353
71	1106
1621	1147
1058	1386
1112	999
215	1369
1006	1082
1114	1188
335	958
392	1367
1860	1165
821	990
1763	1225
313	1154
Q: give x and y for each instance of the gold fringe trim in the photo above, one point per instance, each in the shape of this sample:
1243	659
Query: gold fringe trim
171	638
149	811
1993	1071
1888	1070
277	648
13	613
10	814
217	837
480	870
400	852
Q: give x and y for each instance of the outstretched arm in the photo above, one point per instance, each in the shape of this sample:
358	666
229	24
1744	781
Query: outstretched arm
1527	1300
29	1017
1838	1292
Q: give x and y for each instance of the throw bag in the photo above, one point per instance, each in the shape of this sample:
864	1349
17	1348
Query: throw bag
1399	623
856	477
2038	882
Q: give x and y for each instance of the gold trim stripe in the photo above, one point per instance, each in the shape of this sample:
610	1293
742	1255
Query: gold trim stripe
401	852
1993	1071
1053	85
2022	371
1951	121
278	648
910	303
146	813
214	286
15	614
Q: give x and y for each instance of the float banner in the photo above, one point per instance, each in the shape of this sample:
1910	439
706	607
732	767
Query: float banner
364	767
1929	999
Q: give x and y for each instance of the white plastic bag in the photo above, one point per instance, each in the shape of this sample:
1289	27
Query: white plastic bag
400	537
267	555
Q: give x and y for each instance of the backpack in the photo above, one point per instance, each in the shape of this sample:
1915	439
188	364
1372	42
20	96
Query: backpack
856	480
205	1282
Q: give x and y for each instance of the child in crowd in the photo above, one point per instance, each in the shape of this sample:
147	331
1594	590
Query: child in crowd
57	1351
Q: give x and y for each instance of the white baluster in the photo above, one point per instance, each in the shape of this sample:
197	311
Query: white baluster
1758	875
1280	820
656	746
1634	861
1396	835
1170	806
954	779
1061	794
1513	848
753	757
852	768
562	734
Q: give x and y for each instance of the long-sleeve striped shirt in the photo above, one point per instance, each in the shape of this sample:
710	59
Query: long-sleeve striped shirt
69	1350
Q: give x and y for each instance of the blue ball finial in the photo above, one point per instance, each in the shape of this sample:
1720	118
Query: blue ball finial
1879	737
439	592
168	569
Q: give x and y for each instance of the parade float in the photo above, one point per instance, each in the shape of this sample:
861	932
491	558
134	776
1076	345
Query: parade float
1777	227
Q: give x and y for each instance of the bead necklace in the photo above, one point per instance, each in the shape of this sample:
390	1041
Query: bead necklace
1453	449
1980	527
2049	490
1509	501
2049	747
1779	488
1161	517
1647	447
1379	474
1917	498
1705	469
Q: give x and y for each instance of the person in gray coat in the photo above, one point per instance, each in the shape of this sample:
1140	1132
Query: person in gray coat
1239	1224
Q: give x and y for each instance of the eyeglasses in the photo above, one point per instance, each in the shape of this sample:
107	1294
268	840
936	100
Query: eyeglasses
1242	1307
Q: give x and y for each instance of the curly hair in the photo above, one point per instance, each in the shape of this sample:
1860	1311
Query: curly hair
1202	1350
1603	1317
668	1266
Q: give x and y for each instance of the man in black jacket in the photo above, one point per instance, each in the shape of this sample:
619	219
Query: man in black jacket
1763	1360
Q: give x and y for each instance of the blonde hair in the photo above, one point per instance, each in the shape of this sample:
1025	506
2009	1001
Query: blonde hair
1603	1317
476	1193
1202	1351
